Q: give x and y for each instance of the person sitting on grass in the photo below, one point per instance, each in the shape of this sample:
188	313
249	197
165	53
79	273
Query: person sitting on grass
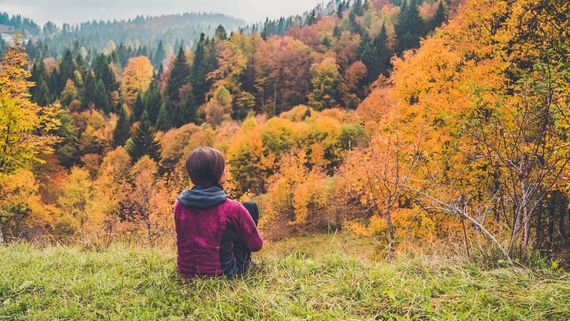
215	235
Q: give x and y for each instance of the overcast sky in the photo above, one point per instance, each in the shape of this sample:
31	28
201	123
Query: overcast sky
75	11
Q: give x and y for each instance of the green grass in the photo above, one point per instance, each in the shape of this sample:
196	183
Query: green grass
315	278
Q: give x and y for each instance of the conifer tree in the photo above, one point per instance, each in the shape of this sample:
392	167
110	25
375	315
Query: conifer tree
409	26
221	33
101	98
187	114
164	120
205	61
66	70
89	91
122	129
358	8
152	101
439	17
103	72
143	142
42	95
138	107
159	56
375	55
178	78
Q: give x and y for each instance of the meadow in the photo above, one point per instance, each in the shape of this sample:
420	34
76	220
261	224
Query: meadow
325	277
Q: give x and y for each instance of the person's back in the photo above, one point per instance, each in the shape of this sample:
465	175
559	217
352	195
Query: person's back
215	234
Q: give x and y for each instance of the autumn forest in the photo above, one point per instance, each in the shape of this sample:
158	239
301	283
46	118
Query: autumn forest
413	123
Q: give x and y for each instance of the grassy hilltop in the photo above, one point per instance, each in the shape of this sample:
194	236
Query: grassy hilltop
316	278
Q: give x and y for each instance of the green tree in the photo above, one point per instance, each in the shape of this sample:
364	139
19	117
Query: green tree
138	107
143	142
204	62
152	101
164	120
89	91
178	78
67	69
101	99
325	83
122	129
439	17
409	26
159	56
375	55
221	33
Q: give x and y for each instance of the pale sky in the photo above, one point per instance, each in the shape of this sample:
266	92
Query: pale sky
75	11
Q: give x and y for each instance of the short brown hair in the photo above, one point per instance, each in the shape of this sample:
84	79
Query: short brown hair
205	166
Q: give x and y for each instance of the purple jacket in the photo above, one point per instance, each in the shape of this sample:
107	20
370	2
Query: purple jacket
200	228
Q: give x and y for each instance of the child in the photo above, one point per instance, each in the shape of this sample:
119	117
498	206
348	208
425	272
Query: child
215	235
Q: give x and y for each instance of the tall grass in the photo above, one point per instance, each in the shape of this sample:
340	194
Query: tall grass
315	278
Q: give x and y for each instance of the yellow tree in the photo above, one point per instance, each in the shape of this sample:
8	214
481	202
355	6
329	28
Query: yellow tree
488	93
219	108
76	198
25	128
25	133
137	77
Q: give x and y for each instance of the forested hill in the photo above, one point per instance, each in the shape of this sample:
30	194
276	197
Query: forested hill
380	117
175	29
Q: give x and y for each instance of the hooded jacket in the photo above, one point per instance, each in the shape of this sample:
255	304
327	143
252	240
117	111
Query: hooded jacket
204	217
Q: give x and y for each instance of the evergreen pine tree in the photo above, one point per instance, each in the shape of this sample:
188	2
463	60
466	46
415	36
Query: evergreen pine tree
101	99
221	33
42	96
89	91
152	101
187	113
103	72
41	91
312	18
340	9
138	107
121	133
178	78
66	70
409	26
358	8
143	142
198	72
164	120
439	17
159	56
375	55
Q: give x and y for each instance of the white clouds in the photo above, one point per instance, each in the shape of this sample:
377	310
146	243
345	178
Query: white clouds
75	11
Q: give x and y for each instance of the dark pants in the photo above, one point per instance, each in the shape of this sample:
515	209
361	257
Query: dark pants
241	253
235	257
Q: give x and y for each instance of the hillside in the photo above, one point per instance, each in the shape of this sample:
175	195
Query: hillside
175	29
412	121
317	278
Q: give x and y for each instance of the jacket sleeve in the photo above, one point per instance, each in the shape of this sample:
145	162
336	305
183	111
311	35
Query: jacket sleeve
247	230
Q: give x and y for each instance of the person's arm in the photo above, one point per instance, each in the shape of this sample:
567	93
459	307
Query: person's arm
247	230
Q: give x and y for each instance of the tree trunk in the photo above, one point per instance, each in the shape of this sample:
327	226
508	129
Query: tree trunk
538	230
391	245
551	219
562	217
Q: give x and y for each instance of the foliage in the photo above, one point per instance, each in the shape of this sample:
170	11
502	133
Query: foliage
26	130
143	142
325	81
137	77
